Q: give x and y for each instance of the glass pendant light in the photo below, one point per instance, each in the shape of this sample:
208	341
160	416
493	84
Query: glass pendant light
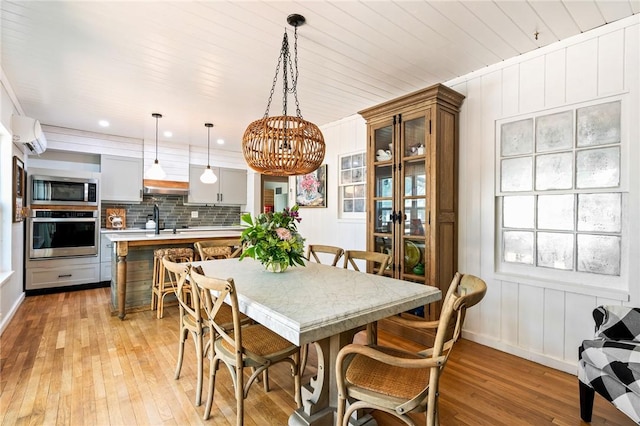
155	171
208	176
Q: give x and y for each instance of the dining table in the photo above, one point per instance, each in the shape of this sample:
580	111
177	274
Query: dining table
318	304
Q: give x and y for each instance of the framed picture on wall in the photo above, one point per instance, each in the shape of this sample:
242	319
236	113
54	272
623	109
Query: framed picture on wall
311	189
18	189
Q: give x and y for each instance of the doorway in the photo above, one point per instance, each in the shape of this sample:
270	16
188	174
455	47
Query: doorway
274	194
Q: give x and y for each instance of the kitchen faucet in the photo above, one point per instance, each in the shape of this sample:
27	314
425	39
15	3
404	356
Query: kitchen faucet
156	218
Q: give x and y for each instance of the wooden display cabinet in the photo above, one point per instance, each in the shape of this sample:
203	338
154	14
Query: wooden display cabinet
412	164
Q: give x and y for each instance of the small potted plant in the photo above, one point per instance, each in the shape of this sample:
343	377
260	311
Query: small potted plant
273	239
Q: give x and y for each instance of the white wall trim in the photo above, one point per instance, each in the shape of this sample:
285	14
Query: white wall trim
5	277
12	95
6	319
527	354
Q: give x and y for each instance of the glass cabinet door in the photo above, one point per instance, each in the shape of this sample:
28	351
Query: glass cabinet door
383	143
413	198
413	136
383	183
383	189
414	201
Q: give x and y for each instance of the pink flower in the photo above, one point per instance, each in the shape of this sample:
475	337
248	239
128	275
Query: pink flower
283	233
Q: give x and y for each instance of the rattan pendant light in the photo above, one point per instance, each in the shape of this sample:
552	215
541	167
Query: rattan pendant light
284	145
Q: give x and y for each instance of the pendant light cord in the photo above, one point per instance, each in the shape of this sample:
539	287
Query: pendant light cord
157	138
208	152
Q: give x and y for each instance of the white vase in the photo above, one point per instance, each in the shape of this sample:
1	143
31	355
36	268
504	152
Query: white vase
276	267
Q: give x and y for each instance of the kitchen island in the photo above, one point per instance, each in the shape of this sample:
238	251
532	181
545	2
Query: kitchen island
137	248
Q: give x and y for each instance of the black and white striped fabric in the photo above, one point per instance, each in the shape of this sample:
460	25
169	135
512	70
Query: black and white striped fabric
610	364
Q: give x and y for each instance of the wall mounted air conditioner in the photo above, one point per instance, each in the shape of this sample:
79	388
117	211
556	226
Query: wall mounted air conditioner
28	131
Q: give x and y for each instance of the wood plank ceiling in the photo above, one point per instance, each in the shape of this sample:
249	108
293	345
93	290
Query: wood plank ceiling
73	63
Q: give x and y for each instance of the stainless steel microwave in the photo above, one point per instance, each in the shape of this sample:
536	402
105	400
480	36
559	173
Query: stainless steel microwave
56	190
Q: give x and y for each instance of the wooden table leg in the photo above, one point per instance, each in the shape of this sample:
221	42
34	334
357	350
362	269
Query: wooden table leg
320	396
122	249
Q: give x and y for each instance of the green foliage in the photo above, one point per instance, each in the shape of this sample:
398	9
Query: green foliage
273	239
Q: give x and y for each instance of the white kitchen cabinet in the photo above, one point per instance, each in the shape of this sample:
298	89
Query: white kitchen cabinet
121	179
230	189
62	276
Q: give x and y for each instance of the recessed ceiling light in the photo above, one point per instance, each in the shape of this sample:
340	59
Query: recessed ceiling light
220	141
167	134
103	123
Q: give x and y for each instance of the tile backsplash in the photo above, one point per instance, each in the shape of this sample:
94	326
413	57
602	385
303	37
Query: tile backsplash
173	213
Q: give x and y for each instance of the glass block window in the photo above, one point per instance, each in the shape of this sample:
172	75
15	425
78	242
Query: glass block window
352	183
560	200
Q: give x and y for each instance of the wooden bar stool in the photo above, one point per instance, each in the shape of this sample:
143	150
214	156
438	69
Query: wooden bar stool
218	249
164	282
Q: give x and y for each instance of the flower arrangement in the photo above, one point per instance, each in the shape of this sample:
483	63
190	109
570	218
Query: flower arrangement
273	239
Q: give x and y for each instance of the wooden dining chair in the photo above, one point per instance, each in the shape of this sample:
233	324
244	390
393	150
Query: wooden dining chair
253	346
399	382
193	320
314	249
380	260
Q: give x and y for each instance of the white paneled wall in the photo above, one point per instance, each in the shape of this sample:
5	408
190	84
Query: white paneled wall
72	140
173	157
218	157
541	321
322	225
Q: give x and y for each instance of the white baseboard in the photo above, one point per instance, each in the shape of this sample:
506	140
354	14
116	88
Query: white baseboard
558	364
6	319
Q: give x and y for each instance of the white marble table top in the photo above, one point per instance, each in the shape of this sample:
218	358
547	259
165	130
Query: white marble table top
306	304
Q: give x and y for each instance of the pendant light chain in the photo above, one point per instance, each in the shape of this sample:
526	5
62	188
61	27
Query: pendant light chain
283	60
295	81
275	78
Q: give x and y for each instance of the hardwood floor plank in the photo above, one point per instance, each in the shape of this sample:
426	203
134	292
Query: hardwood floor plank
65	360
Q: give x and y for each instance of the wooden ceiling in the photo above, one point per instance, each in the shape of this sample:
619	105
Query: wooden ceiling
74	63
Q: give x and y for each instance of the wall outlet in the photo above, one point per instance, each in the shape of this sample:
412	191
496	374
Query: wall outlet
194	214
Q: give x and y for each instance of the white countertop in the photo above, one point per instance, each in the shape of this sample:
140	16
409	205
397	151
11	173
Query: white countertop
182	234
170	230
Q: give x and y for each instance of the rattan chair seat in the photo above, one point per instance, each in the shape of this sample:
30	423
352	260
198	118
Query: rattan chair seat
259	340
372	375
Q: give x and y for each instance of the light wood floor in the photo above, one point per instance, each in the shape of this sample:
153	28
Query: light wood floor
66	360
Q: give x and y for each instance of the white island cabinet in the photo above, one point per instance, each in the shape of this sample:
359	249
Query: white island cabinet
121	179
230	189
106	247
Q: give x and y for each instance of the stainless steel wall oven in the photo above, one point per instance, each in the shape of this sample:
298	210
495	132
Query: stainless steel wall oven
63	233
